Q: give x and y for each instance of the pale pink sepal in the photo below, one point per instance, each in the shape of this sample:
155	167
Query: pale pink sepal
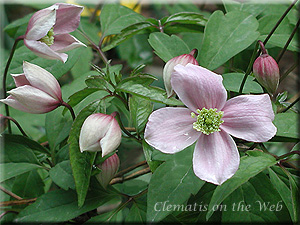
170	130
20	79
65	42
198	87
216	157
249	117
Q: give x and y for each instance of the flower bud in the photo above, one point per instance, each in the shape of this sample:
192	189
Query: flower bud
109	168
266	71
37	91
3	123
169	68
100	132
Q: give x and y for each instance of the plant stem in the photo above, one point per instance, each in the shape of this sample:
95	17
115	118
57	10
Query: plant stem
288	72
288	154
70	109
131	176
291	105
17	202
288	42
17	124
124	129
121	173
10	193
5	76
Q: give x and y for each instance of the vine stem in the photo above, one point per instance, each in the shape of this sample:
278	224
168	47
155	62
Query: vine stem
70	109
288	154
10	193
17	124
5	76
129	177
121	173
291	105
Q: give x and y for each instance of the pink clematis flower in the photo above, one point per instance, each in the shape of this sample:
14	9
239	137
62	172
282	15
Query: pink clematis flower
37	91
48	31
210	120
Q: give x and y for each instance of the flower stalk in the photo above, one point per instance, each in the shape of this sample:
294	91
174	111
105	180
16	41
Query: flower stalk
70	109
17	124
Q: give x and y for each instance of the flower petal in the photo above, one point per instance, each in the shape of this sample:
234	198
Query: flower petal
170	130
40	23
42	79
67	18
65	42
34	99
11	101
112	138
92	131
198	87
216	157
41	49
20	79
249	117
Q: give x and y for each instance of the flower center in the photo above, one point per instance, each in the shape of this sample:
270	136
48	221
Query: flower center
208	120
48	39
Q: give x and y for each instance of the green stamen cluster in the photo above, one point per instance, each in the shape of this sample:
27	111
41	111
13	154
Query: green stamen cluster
48	39
208	120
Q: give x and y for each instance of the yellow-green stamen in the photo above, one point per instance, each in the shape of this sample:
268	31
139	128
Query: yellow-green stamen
49	38
208	120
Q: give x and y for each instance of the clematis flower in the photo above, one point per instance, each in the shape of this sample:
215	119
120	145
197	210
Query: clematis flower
209	120
100	132
47	34
169	69
37	91
109	168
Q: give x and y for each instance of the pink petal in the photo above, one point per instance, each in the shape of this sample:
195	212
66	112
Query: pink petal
198	87
67	18
34	99
249	117
42	79
170	130
20	79
41	49
216	157
40	23
11	101
65	42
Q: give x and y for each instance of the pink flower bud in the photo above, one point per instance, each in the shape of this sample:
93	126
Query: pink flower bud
48	31
100	132
3	123
169	68
109	168
37	91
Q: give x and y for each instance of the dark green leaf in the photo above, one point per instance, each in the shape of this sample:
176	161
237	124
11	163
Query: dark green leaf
232	82
167	47
287	125
80	95
97	81
62	154
11	29
10	170
173	182
148	150
249	167
60	206
81	162
225	36
61	174
250	7
186	18
137	213
139	85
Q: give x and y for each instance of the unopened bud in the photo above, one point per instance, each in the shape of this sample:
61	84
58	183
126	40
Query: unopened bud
266	71
109	168
169	68
3	123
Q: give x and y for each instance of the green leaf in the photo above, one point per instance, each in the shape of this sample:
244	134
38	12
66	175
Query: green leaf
139	85
140	109
127	33
18	148
232	82
12	28
148	150
137	213
287	125
113	23
60	206
55	67
57	127
10	170
249	167
250	7
167	47
173	182
61	174
80	95
81	162
186	18
96	81
285	193
238	31
256	201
